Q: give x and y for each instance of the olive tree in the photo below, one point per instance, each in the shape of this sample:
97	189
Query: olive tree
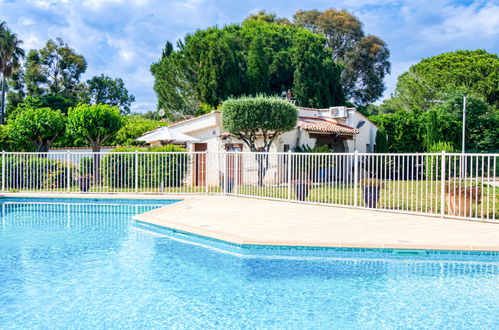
95	123
40	126
258	121
260	118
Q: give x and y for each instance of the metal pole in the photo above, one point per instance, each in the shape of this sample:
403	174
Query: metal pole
236	173
3	170
289	174
136	171
464	124
442	186
355	178
68	173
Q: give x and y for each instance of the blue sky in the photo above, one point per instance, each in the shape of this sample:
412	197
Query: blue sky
122	38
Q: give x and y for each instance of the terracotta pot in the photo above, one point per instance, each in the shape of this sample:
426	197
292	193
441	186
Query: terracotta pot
458	205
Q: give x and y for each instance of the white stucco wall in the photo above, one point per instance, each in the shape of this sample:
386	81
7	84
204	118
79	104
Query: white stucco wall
207	129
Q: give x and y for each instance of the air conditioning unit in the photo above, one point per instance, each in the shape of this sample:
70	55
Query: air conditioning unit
338	112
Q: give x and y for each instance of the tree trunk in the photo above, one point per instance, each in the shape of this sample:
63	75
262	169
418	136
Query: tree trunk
96	157
263	165
43	147
2	111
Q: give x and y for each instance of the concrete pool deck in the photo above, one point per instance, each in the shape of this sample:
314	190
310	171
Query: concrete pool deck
247	221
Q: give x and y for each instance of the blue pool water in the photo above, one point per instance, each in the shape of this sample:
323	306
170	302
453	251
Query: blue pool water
67	263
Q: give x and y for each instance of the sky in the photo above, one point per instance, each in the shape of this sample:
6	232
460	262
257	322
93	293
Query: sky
123	38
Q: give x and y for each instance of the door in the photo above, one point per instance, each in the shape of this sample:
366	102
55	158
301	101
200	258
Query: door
231	162
200	164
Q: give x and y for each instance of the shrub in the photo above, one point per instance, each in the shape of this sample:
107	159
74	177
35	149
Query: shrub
33	173
155	167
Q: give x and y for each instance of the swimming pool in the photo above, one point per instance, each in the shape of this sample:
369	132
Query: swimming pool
86	264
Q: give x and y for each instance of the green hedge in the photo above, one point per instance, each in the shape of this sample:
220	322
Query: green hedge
27	172
154	170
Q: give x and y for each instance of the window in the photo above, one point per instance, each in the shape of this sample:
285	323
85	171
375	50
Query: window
286	147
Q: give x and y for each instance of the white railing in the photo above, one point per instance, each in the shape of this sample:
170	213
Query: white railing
445	185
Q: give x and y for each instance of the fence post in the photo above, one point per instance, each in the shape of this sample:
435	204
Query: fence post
442	185
206	155
136	171
3	170
236	172
224	173
68	172
355	179
289	174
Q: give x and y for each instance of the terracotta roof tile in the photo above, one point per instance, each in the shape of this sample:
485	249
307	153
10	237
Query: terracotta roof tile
324	126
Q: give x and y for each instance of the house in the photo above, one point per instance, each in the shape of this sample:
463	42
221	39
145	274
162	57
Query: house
342	129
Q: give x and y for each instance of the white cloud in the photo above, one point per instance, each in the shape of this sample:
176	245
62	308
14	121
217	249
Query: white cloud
121	38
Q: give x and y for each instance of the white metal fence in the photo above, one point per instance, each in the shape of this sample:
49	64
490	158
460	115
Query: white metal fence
446	185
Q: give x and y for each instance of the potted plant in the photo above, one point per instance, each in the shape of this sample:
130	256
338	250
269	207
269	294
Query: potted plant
371	187
85	182
306	169
460	198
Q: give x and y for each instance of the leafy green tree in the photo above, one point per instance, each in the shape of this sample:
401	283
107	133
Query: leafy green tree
134	127
381	141
94	123
214	64
448	121
15	94
258	119
11	54
55	69
40	126
258	68
476	71
262	15
403	129
364	58
365	68
174	85
106	90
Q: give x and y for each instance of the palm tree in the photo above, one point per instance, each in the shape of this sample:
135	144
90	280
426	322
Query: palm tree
11	54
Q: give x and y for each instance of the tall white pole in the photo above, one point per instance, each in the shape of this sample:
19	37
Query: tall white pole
464	124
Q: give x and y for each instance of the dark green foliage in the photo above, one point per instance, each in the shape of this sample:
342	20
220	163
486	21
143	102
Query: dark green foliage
444	123
251	118
403	130
155	169
11	55
214	64
381	141
307	168
106	90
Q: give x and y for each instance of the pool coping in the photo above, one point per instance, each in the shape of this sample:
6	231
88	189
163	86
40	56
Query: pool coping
156	217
